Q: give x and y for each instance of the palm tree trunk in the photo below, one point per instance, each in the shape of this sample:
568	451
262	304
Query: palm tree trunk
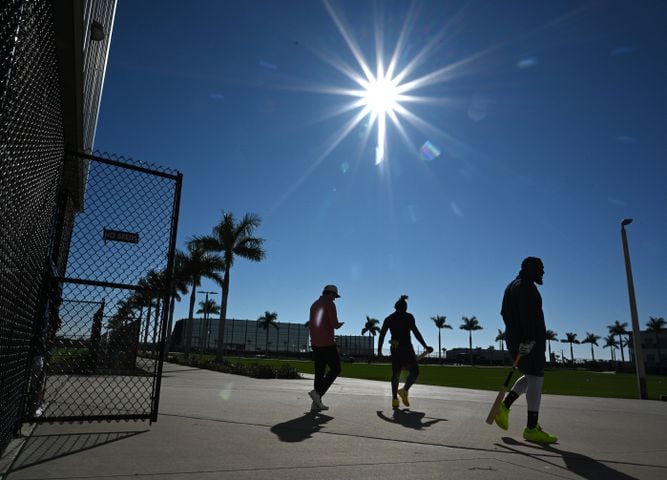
167	339
439	345
188	328
370	351
592	352
550	357
223	316
620	342
470	345
571	355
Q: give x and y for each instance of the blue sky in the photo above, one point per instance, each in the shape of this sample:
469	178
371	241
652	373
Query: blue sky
549	120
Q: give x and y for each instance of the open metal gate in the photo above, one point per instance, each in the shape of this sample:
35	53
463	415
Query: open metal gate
98	352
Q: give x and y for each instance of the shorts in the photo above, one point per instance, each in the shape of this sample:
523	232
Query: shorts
403	357
531	364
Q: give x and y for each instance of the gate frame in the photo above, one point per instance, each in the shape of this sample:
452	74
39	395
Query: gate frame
49	279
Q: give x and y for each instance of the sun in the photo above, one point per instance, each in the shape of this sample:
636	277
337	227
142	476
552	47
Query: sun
384	93
388	92
381	96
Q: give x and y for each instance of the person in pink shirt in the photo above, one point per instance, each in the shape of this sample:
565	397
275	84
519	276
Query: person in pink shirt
322	323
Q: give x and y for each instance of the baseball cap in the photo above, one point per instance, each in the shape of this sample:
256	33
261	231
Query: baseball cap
332	289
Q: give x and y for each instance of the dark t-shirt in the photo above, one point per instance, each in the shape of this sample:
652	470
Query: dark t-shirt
400	324
523	315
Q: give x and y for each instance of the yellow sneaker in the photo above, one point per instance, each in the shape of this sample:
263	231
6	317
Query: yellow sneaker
394	403
403	393
538	435
503	417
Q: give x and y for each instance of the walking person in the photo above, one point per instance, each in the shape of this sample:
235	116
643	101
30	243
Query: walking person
400	324
322	323
526	336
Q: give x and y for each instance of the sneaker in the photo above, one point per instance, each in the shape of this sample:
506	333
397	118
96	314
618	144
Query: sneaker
403	393
394	403
318	408
317	399
503	417
538	435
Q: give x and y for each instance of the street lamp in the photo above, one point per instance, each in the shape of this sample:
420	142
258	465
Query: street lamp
636	341
204	327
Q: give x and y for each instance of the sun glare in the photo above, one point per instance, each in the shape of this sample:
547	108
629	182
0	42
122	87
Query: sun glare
386	93
381	96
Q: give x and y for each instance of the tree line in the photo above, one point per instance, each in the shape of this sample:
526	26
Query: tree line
212	256
618	335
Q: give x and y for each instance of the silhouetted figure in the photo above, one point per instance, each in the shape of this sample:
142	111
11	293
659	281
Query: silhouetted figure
400	324
526	336
322	323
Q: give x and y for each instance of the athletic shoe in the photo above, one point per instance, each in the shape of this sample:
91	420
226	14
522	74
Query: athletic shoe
538	435
394	403
403	393
317	399
503	417
315	408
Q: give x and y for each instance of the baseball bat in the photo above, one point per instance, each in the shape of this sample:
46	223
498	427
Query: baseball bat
501	393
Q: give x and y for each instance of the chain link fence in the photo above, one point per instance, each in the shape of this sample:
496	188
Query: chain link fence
103	340
31	159
86	242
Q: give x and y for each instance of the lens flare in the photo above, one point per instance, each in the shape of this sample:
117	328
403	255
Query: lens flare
429	152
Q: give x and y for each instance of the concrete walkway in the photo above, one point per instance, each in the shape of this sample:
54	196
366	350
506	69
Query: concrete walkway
219	426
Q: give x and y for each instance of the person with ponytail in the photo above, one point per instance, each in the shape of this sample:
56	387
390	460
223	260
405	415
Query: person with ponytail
400	324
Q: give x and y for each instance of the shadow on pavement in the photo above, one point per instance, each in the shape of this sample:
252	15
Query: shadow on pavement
409	419
44	448
300	428
585	467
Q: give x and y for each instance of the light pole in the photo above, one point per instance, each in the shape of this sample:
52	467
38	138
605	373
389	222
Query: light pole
636	341
204	329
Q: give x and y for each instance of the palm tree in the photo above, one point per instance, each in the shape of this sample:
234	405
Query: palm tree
611	343
207	307
232	239
265	321
657	325
196	264
571	338
551	335
619	329
372	328
501	339
470	324
593	340
124	314
179	285
154	288
440	322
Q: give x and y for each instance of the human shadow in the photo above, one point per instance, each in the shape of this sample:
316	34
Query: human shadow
409	419
300	428
582	465
44	448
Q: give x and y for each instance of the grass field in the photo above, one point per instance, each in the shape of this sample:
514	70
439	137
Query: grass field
560	382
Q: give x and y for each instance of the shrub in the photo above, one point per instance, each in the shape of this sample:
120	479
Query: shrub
287	371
